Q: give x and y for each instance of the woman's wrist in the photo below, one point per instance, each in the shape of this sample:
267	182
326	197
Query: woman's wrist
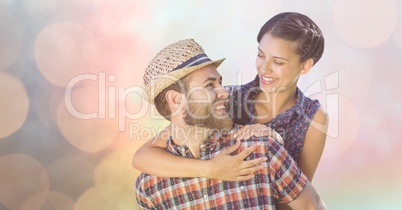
204	168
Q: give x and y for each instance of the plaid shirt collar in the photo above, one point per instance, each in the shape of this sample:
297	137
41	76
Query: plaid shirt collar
210	142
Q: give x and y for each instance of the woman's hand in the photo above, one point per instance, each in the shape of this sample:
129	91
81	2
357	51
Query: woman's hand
229	167
257	130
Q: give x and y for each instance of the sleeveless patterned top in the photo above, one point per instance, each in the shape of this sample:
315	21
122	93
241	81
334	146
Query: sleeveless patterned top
291	124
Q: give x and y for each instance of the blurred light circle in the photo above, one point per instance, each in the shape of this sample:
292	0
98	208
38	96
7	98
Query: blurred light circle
41	9
62	174
6	2
398	29
62	7
106	197
47	100
116	169
397	172
122	51
350	63
122	141
65	50
14	104
365	24
48	201
21	177
79	118
10	39
349	128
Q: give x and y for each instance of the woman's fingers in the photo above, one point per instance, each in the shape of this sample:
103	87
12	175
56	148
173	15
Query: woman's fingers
248	173
252	169
277	137
226	166
246	152
232	148
258	130
244	177
243	132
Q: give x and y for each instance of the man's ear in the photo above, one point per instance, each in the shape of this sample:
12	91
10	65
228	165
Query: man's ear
306	66
174	99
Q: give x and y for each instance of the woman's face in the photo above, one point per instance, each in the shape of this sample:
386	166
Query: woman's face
278	65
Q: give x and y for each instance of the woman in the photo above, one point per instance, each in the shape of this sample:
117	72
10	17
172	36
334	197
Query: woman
289	45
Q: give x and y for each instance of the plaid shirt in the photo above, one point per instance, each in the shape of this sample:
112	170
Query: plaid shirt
280	179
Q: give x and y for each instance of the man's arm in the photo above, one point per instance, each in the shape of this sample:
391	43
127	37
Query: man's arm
290	185
144	200
312	149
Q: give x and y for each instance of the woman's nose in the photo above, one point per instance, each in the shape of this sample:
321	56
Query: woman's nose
265	68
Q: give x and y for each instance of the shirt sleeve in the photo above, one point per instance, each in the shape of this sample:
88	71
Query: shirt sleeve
287	179
143	200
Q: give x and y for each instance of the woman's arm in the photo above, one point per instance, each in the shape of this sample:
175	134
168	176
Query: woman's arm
314	144
152	158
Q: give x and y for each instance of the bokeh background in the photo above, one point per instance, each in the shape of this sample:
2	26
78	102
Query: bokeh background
71	116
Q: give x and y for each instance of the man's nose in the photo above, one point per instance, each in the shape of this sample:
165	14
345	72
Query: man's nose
221	92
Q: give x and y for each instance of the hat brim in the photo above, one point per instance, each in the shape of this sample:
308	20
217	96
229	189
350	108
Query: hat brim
159	84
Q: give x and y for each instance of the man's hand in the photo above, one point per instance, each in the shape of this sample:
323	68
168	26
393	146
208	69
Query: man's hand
229	167
257	130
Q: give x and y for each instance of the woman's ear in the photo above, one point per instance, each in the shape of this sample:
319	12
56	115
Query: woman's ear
306	66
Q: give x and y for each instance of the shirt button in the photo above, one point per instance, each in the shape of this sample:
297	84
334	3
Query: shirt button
241	187
182	149
206	197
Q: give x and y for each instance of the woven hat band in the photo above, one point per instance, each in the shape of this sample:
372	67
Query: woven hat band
194	61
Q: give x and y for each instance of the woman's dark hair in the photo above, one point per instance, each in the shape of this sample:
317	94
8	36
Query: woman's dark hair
292	26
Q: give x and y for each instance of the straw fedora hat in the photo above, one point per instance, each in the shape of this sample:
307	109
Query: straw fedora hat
173	63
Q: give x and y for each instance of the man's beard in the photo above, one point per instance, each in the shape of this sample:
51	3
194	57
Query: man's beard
203	115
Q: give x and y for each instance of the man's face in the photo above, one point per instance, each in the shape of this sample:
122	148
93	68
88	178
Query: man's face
207	101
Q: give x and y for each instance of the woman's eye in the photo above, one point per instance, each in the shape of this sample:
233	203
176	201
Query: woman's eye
278	62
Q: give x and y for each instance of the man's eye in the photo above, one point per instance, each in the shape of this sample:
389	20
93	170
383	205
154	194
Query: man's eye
209	85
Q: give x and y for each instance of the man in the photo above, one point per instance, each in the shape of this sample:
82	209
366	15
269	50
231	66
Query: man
186	89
